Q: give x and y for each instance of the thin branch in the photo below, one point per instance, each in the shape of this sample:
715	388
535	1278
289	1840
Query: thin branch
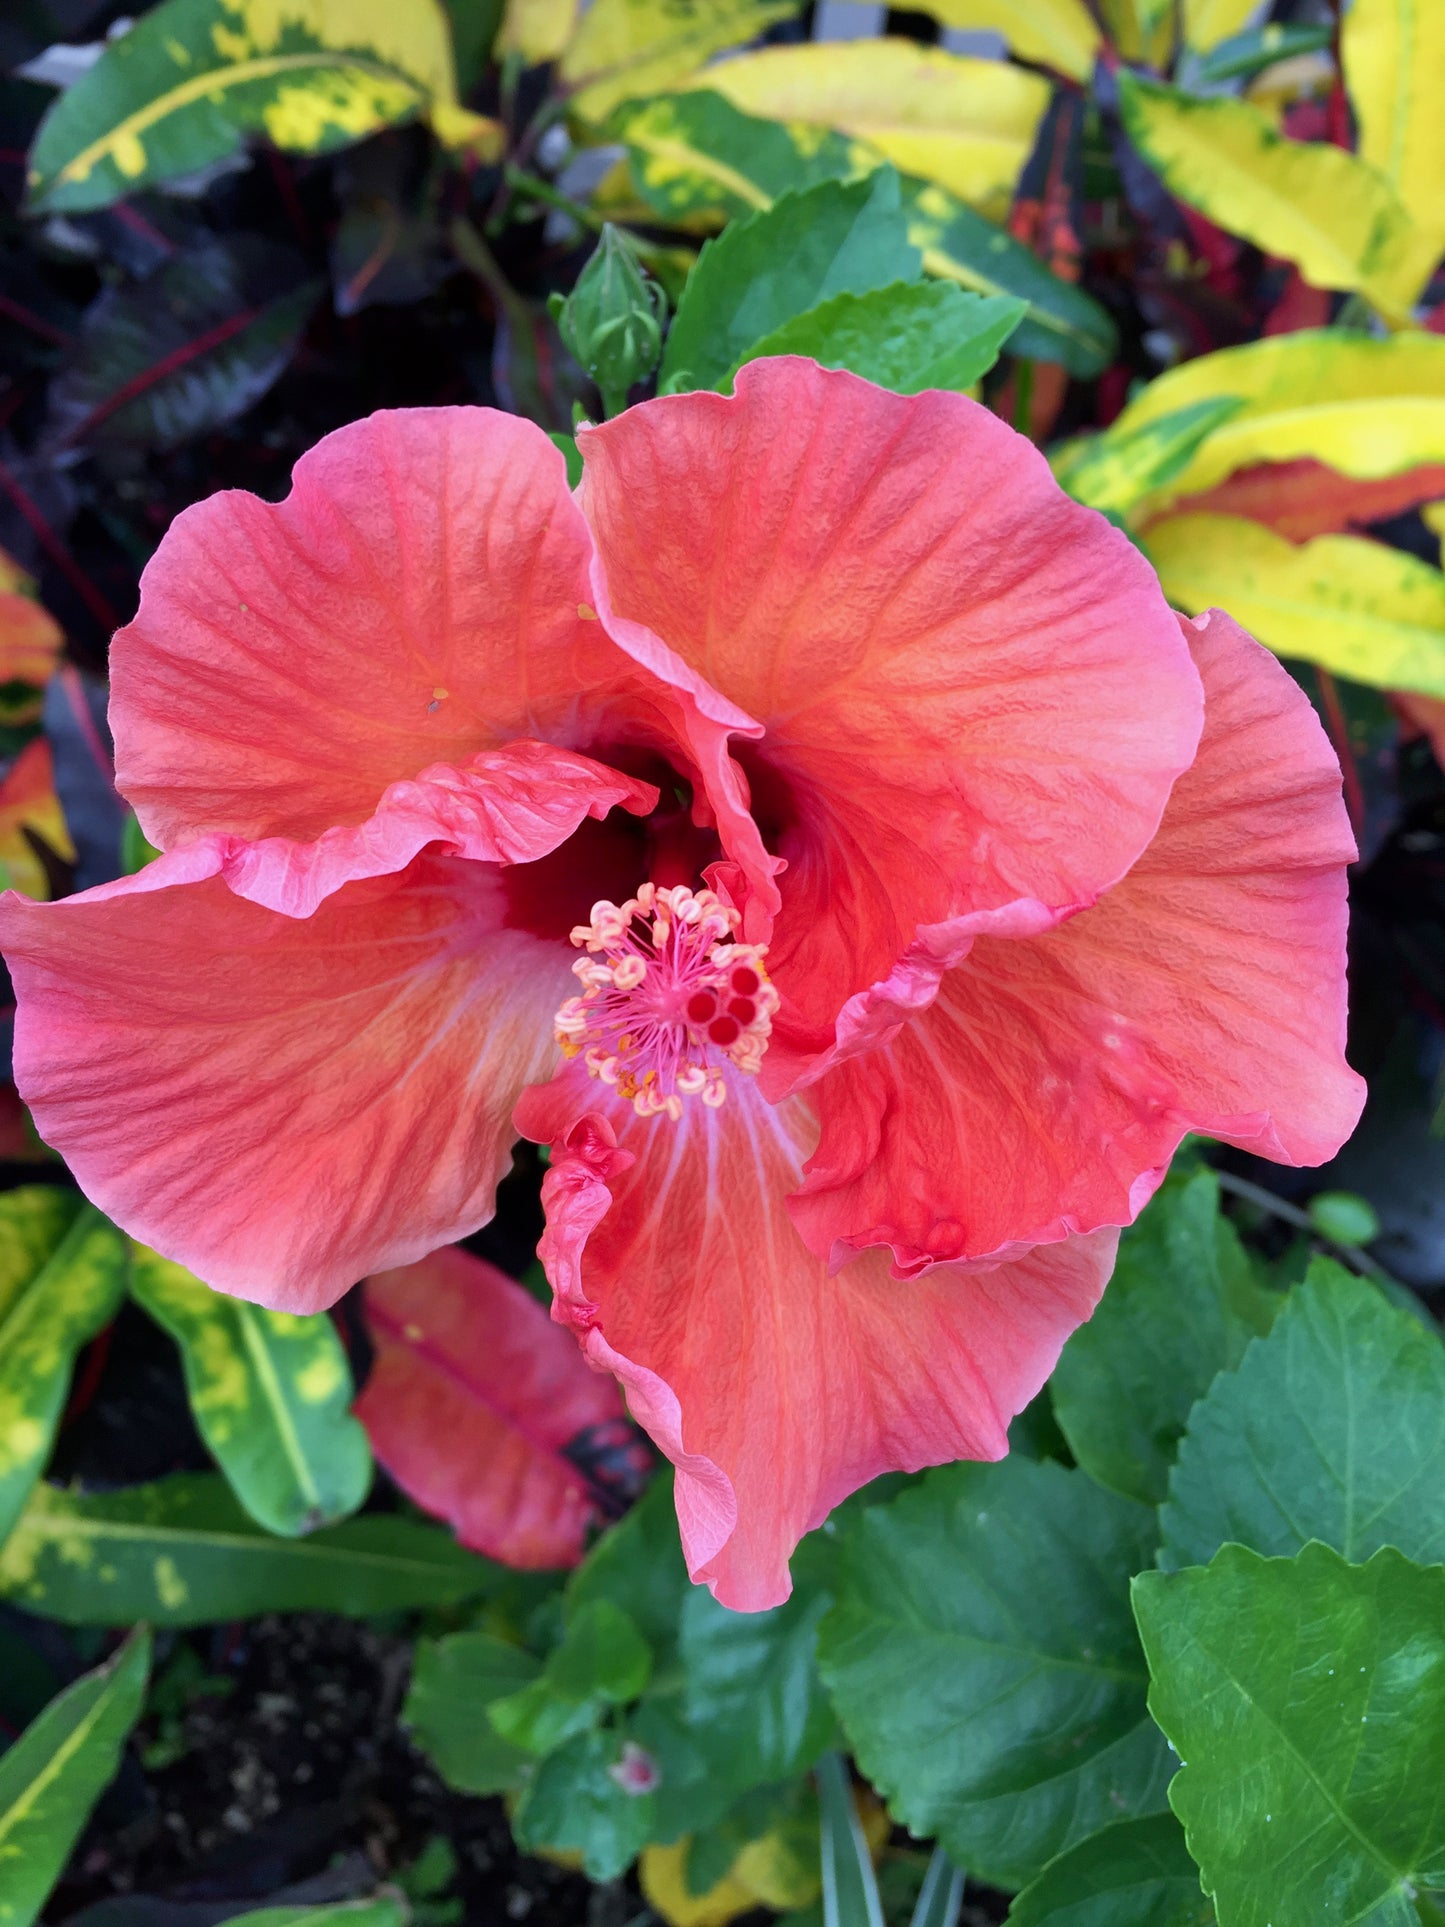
1289	1213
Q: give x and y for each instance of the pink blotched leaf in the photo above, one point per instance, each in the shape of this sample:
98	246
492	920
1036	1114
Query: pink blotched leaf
473	1402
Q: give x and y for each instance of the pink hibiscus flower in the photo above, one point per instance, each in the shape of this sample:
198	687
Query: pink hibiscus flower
925	877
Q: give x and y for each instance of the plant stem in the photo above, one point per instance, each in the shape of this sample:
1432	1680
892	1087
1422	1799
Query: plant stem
1279	1207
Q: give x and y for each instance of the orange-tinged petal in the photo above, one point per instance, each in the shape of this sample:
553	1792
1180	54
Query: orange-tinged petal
1047	1088
774	1388
974	698
28	802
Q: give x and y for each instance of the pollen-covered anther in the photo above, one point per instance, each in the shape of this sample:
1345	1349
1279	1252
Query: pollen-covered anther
670	1001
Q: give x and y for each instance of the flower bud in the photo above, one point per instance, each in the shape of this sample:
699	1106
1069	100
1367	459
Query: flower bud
612	320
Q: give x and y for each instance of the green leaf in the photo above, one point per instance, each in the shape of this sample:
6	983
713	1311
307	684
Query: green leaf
638	1566
838	237
62	1277
192	79
1306	1699
983	1663
941	1894
1334	216
454	1682
1332	1428
340	1913
1182	1305
1137	1873
850	1890
1243	55
271	1394
752	1685
696	154
1116	470
181	1552
602	1661
56	1771
907	337
576	1803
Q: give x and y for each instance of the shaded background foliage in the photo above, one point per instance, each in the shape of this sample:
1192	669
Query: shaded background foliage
201	330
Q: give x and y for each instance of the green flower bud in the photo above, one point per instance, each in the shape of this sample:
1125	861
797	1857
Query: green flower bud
612	320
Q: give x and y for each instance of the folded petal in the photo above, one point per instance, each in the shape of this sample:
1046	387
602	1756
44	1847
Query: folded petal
774	1388
413	600
479	1407
283	1105
974	697
1045	1091
508	805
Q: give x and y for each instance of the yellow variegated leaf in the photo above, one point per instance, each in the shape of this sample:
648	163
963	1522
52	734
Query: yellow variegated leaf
1347	604
1364	407
1061	34
967	124
1140	29
1332	214
29	807
1433	516
537	30
192	78
1394	60
1207	22
627	48
663	1874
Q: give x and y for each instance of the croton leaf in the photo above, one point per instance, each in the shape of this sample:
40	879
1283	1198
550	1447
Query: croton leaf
1061	34
1350	605
56	1771
486	1413
270	1393
624	49
1331	1428
185	85
1302	499
967	124
1394	54
984	1667
62	1276
1306	1700
186	350
32	823
182	1552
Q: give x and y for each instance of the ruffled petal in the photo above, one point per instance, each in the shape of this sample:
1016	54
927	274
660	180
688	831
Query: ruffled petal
508	805
283	1105
775	1389
414	599
974	697
1046	1090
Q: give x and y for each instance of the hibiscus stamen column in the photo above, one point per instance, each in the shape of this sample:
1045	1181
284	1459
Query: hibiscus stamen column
670	1000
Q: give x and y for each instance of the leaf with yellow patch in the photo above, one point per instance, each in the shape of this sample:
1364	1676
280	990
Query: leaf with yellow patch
1207	22
56	1771
536	30
192	79
1394	59
1346	604
271	1394
967	124
694	153
1362	406
62	1276
1114	471
182	1552
1339	220
1061	34
625	49
30	809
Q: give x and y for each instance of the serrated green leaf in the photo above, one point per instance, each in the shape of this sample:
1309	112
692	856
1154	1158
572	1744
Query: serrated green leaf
56	1771
602	1661
577	1804
271	1394
1332	1428
454	1682
910	336
182	1552
695	154
839	237
1116	470
1306	1699
982	1661
1334	216
637	1565
1135	1874
185	85
62	1277
752	1685
1182	1305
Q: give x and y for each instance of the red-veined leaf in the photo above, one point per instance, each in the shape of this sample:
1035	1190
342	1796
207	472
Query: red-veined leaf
485	1412
1303	499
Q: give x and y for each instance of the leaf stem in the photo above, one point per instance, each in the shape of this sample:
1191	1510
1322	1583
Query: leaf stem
1279	1207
